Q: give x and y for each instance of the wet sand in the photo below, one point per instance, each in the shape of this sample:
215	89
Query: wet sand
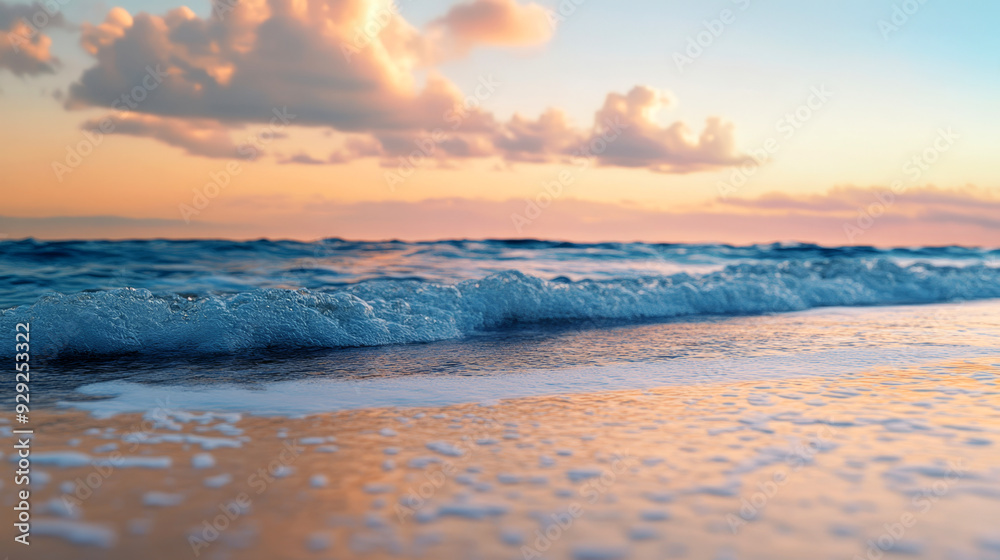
882	464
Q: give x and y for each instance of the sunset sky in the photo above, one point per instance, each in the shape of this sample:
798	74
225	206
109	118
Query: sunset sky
850	122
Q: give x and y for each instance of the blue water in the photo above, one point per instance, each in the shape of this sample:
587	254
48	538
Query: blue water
101	298
191	333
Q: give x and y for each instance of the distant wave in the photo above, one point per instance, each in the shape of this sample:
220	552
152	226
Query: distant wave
30	268
373	313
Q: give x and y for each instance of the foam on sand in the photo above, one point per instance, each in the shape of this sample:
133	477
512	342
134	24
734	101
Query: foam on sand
76	532
828	477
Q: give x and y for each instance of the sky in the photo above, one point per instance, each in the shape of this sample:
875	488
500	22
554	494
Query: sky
735	121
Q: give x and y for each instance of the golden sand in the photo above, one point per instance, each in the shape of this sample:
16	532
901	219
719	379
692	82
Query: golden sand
799	468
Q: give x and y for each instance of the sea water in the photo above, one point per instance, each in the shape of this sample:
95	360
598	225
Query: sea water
500	399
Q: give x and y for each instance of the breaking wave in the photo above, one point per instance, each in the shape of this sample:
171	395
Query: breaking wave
380	312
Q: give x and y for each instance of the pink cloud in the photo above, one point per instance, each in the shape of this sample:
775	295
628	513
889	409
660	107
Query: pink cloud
577	220
353	148
495	22
350	66
671	149
847	201
522	139
24	48
237	67
195	136
580	220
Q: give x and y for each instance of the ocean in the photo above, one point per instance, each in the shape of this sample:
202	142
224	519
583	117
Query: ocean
203	298
218	311
554	399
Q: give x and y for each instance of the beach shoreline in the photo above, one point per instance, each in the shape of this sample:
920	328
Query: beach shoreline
786	468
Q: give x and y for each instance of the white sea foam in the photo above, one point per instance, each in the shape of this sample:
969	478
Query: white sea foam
318	481
162	499
206	443
312	396
394	312
471	510
62	459
71	459
136	462
218	481
203	461
445	448
75	532
62	508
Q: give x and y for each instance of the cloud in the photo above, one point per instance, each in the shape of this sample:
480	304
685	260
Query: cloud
919	223
24	49
323	58
552	134
353	148
847	201
494	22
671	149
821	203
283	216
352	66
624	134
304	159
197	137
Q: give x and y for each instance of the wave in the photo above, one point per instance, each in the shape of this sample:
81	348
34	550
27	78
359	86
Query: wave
30	269
128	320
